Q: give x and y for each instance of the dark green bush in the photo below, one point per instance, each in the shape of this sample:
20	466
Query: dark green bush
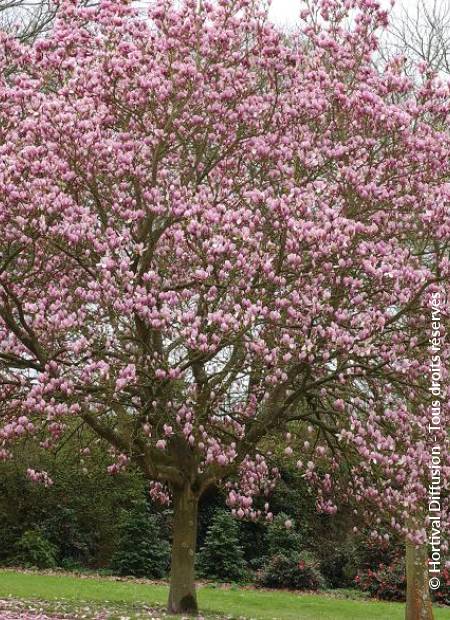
296	570
33	550
339	565
141	551
212	501
281	539
387	581
79	513
442	595
253	540
287	565
67	528
222	558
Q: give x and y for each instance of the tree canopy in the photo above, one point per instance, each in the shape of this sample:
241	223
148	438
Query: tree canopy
216	238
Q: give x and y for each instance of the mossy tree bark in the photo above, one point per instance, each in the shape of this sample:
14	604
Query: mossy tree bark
418	601
182	595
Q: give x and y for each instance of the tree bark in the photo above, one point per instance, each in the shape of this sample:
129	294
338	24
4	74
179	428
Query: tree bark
182	595
418	601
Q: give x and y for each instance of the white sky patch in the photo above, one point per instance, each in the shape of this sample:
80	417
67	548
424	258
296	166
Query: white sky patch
285	12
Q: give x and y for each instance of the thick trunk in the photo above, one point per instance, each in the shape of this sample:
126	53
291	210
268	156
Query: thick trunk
182	596
418	601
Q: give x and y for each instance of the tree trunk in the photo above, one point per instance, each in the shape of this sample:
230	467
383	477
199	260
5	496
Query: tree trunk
418	601
182	596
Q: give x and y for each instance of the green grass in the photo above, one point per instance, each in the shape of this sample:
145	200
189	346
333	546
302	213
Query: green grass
234	602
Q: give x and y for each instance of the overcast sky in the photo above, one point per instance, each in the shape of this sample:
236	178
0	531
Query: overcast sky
286	11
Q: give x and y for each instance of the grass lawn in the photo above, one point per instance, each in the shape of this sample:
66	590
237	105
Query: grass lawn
76	595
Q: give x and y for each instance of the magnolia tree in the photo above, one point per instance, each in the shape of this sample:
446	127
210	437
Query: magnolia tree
216	238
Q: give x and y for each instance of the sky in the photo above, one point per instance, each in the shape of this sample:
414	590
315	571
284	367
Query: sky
285	11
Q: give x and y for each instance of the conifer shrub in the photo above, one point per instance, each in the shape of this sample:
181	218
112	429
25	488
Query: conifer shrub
142	549
222	558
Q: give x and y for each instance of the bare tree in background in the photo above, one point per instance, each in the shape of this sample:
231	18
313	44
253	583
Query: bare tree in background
27	18
422	33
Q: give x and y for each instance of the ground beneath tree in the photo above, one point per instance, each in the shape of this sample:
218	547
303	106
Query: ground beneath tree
13	609
31	595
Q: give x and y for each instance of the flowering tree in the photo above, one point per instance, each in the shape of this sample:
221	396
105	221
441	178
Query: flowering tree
215	237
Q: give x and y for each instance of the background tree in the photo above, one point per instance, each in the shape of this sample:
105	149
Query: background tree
142	550
422	34
222	557
207	249
33	550
27	19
